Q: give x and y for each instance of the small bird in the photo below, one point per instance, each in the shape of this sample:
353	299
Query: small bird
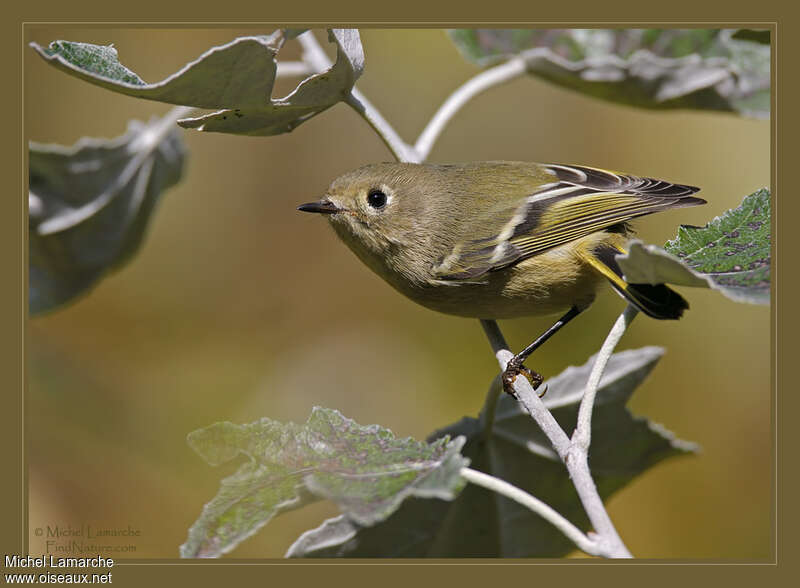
501	239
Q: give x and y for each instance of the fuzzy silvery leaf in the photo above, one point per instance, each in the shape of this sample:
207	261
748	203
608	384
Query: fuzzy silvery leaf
651	68
480	523
365	470
730	254
240	73
89	206
235	79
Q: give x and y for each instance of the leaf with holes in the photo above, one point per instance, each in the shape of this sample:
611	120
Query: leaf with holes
365	470
713	69
89	206
730	254
237	78
480	523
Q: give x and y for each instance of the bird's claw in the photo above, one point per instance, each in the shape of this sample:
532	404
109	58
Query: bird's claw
514	369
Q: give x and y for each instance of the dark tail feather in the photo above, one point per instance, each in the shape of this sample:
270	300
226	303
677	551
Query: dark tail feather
656	301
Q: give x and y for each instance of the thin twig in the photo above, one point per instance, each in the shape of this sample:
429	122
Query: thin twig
578	459
552	516
578	467
318	61
525	393
313	54
582	436
401	150
574	456
494	76
573	453
286	69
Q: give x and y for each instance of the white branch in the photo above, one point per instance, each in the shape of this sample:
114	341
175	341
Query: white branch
313	54
574	453
574	456
401	150
578	467
552	516
497	75
526	395
318	61
287	69
578	458
582	436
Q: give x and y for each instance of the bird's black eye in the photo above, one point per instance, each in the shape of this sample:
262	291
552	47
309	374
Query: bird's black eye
376	199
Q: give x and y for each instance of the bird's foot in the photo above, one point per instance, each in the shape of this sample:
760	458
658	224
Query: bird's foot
514	369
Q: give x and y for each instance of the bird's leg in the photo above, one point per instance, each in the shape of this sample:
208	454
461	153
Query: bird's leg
515	367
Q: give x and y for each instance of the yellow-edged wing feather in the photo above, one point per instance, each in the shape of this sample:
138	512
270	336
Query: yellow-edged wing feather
578	202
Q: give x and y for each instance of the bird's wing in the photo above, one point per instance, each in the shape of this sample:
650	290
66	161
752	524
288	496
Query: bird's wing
579	201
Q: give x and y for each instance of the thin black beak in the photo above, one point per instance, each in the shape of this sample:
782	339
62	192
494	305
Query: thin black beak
323	207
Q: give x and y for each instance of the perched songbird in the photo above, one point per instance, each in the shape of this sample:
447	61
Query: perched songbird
500	239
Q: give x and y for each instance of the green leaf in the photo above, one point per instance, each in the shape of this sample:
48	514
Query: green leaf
713	69
237	77
89	206
365	470
97	60
480	523
730	254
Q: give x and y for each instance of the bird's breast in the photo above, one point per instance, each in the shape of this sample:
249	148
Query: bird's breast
545	284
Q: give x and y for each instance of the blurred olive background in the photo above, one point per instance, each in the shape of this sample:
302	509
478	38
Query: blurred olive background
239	307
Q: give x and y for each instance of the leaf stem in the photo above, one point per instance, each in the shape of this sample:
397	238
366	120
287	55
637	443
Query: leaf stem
544	510
489	78
287	69
313	54
401	150
318	61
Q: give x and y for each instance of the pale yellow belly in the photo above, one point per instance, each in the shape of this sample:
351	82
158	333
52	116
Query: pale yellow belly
548	283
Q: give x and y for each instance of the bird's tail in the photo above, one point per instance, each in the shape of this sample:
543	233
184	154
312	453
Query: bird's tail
656	301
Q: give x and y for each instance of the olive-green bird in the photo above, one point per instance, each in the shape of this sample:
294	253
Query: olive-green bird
500	239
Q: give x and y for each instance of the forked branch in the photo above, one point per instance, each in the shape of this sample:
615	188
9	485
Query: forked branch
574	453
